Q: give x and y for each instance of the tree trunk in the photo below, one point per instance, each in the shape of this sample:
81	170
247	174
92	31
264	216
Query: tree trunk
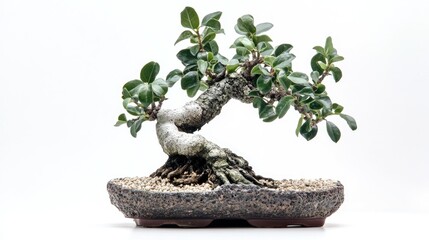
194	159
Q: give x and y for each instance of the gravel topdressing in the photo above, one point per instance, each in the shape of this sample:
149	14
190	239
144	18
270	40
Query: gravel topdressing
157	184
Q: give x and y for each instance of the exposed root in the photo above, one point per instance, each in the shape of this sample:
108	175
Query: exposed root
218	169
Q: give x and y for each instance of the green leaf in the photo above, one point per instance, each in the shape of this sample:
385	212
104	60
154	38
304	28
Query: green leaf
211	16
264	83
132	84
258	69
239	31
322	65
195	50
212	47
202	66
329	47
299	78
315	76
214	24
186	57
283	105
336	72
189	18
146	96
203	86
333	131
298	127
121	120
263	27
159	87
242	51
266	49
320	88
136	126
258	102
350	121
184	35
232	65
209	34
149	72
337	108
253	93
306	127
320	50
283	60
269	60
266	111
314	62
283	80
282	48
222	59
315	105
337	59
173	77
125	93
325	101
245	24
310	135
192	91
262	38
190	80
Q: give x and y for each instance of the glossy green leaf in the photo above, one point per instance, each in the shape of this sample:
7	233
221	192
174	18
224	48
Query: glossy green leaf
267	50
203	86
299	78
283	106
184	35
212	47
337	73
254	93
190	80
125	93
237	30
211	16
337	59
132	84
195	50
283	60
261	38
219	67
315	105
214	24
320	88
222	59
320	50
159	87
257	102
315	76
325	101
329	48
266	111
283	80
337	108
264	83
192	91
232	65
245	24
350	121
189	18
121	120
333	131
242	51
186	57
135	127
202	66
269	60
314	62
258	69
146	96
209	34
298	126
263	27
282	48
149	72
306	127
311	134
173	77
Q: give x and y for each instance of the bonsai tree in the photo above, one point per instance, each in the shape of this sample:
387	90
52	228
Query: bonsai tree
258	74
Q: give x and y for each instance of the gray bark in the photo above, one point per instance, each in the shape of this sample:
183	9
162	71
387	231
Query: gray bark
175	130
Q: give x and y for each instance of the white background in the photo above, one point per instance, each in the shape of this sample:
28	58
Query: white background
62	66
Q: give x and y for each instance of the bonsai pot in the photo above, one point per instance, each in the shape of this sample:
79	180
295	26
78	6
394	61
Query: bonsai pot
153	202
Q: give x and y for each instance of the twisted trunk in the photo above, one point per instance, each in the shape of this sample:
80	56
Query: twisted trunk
194	159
